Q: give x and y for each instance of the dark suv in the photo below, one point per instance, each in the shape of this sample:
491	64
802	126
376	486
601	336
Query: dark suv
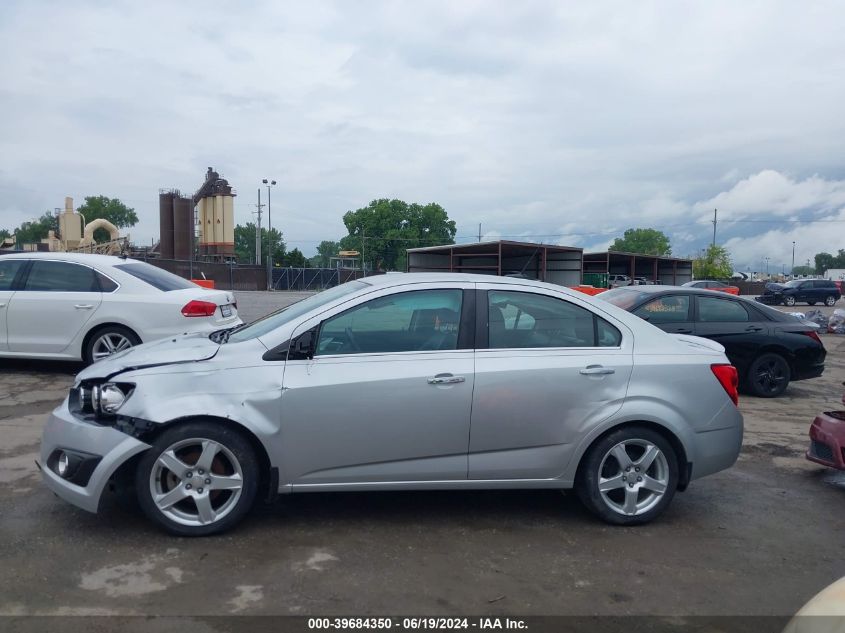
811	291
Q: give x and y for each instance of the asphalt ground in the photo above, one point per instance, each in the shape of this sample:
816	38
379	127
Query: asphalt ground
758	539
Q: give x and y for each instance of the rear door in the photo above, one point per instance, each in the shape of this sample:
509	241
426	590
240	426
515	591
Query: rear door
10	270
671	313
742	330
51	308
547	369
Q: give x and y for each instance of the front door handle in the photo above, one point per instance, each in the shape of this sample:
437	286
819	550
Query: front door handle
2	305
446	379
753	328
597	370
83	306
683	330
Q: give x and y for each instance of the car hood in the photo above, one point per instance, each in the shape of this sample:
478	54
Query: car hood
773	287
188	348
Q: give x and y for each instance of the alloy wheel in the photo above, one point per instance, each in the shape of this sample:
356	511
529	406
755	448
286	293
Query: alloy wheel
769	374
109	343
790	301
829	301
633	477
196	482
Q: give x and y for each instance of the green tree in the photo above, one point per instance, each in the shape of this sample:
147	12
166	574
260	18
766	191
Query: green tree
111	209
803	270
325	251
645	241
716	264
826	261
383	229
245	244
4	233
295	259
36	230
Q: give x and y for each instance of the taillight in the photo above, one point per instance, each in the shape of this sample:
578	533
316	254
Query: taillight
813	335
199	309
729	379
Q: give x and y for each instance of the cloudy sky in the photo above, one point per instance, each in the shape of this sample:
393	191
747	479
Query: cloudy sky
550	121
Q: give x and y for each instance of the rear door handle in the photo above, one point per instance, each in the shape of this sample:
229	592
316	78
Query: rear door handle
597	370
83	306
753	328
2	305
683	331
446	379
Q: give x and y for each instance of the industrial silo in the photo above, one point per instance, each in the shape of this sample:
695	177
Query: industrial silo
165	217
183	227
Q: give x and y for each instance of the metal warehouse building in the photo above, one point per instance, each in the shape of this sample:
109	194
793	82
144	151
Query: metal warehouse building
672	271
556	264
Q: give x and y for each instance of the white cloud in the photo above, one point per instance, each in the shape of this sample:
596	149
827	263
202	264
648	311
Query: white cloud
533	118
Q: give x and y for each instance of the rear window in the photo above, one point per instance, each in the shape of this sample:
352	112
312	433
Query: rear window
156	277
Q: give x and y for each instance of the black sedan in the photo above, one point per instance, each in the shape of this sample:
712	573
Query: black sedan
768	348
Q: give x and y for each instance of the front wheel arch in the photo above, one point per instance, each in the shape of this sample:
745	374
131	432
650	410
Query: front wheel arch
264	467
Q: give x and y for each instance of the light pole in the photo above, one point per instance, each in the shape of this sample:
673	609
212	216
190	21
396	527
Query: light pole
269	184
792	272
767	267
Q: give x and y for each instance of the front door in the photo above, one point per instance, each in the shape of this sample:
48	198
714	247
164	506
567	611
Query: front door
727	321
51	308
388	393
546	372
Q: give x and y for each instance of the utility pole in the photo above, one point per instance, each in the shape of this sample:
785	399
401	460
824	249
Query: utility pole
363	247
479	231
259	206
792	270
715	213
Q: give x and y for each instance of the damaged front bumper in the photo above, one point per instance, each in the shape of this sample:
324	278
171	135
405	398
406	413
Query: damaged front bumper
98	450
827	440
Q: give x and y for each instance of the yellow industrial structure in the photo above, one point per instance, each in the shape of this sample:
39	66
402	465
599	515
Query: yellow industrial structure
75	236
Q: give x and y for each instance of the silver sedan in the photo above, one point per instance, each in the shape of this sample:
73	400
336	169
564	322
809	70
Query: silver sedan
402	382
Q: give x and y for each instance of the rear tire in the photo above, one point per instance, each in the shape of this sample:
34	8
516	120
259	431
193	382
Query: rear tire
768	376
830	301
628	477
108	340
197	479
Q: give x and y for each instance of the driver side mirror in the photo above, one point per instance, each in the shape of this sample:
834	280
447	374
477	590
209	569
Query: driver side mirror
303	346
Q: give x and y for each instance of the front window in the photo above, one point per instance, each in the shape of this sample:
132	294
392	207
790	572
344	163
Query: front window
280	317
668	309
416	321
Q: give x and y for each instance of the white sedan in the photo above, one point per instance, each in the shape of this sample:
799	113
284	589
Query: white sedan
75	306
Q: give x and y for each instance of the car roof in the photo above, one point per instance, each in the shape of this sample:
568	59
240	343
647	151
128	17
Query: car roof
399	279
80	258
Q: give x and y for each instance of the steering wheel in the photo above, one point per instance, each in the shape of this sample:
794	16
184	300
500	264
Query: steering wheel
352	340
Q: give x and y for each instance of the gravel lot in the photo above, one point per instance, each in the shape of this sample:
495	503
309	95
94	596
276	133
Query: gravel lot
761	538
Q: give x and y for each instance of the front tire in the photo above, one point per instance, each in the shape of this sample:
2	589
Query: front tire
629	476
830	301
108	340
768	376
789	301
197	479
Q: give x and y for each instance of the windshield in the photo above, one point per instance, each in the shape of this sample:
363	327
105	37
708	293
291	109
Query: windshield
291	312
156	277
622	297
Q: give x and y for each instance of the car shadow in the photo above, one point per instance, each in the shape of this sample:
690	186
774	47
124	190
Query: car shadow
28	365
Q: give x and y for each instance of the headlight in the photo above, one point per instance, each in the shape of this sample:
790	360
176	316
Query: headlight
109	397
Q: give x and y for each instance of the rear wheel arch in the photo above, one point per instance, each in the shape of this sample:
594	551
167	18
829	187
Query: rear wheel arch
684	465
100	327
